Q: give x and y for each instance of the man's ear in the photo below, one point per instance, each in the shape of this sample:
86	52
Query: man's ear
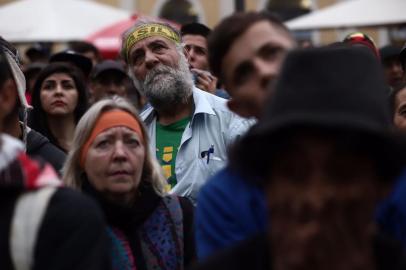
8	97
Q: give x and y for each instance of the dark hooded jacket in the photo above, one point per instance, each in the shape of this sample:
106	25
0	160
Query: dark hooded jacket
39	146
71	234
254	253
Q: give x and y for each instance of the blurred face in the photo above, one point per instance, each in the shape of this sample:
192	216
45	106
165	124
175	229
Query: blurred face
59	95
196	51
114	163
92	56
399	118
393	72
8	100
322	199
107	84
254	60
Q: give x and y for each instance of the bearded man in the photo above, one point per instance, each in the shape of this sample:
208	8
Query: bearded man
189	129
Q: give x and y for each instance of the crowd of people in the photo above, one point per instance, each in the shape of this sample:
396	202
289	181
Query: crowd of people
198	148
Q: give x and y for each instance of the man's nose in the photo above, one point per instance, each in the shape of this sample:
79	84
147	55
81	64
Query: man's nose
112	87
151	60
190	55
267	71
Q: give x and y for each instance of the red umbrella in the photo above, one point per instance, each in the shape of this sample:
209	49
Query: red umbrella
108	39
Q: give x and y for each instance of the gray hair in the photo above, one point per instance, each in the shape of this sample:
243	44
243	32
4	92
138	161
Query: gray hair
183	67
74	174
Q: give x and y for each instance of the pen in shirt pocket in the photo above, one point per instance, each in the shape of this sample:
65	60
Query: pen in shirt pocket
207	153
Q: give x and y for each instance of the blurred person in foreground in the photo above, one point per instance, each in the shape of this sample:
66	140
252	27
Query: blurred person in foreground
332	157
110	161
190	129
42	225
36	145
246	53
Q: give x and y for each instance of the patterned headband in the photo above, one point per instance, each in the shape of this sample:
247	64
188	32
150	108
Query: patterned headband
149	30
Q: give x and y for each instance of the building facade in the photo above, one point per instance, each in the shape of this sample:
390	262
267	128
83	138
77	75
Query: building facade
210	12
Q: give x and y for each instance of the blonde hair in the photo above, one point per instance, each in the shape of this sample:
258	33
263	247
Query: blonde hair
73	174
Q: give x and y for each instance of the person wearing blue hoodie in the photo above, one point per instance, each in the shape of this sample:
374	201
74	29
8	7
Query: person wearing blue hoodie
246	51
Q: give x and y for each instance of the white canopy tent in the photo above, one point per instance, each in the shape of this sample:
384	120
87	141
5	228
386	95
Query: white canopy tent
353	13
55	20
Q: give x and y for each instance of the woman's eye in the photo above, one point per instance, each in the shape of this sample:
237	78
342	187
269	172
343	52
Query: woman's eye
102	144
68	86
132	142
47	86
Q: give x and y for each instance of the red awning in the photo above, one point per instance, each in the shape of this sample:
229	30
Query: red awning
108	39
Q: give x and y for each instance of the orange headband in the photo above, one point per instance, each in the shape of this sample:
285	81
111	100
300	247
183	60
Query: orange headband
108	120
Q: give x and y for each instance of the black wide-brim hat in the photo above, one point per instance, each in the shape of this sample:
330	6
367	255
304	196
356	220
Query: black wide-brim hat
108	65
336	89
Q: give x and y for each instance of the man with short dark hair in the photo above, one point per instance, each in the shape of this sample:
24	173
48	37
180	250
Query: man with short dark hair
246	53
42	225
86	49
194	38
83	63
108	78
36	145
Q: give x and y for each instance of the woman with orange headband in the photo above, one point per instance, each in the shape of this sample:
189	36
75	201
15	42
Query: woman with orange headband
110	161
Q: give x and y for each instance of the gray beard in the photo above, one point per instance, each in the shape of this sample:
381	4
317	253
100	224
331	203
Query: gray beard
165	87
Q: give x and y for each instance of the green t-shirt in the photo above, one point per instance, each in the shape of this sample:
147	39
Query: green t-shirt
167	143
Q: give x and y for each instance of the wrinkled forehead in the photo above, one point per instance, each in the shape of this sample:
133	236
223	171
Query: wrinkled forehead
146	31
150	41
125	131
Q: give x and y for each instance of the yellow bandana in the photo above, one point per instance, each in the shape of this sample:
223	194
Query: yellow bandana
149	30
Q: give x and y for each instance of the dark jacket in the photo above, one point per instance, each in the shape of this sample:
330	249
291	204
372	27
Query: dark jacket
131	221
221	220
39	146
254	254
71	234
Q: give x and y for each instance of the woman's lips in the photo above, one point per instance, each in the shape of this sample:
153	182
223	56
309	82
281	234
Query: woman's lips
115	173
58	103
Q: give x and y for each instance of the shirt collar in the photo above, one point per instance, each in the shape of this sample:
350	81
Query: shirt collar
202	106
